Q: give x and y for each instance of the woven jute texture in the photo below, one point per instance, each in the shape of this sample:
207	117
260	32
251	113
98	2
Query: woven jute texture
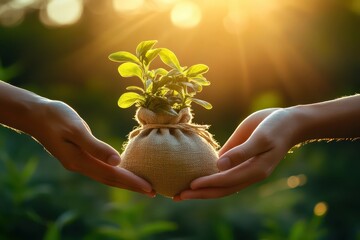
169	151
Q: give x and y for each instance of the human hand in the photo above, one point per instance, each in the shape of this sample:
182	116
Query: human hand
250	155
69	139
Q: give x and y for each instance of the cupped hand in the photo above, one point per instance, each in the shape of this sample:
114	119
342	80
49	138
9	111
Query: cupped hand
68	138
252	152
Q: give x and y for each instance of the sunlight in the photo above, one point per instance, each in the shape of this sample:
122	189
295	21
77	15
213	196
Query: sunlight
186	14
167	2
242	13
63	12
127	5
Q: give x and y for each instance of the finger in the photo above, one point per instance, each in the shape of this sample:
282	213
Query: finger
123	186
97	170
98	149
245	129
248	172
209	193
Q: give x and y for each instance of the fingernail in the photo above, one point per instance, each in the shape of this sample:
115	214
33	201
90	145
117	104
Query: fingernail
224	163
148	189
114	160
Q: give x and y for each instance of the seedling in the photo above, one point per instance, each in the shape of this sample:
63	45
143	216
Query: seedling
163	90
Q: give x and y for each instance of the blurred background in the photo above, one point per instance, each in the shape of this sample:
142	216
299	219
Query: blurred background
261	53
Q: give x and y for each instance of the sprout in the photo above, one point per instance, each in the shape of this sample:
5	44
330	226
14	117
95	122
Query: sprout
163	90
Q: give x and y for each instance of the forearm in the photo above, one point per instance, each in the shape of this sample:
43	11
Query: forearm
336	119
18	107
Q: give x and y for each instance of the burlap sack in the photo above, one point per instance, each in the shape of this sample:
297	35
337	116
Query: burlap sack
169	151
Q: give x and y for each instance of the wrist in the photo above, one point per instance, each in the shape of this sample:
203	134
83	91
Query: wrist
31	114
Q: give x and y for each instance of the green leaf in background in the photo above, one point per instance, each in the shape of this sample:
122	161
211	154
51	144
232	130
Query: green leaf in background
130	69
7	73
169	58
202	103
54	229
144	47
130	98
157	227
124	56
197	69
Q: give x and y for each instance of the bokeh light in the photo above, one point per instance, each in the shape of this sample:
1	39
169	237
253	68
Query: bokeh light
320	209
63	12
186	14
11	16
124	6
296	181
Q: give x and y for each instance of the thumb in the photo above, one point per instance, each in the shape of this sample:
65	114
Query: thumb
246	129
99	149
250	148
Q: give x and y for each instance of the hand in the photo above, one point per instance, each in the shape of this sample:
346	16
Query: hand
253	151
69	139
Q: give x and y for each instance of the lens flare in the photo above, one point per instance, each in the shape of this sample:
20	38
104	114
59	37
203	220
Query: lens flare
186	14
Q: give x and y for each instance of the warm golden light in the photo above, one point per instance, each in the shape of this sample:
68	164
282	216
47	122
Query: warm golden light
64	12
296	181
293	181
242	13
127	5
355	6
320	209
161	2
186	14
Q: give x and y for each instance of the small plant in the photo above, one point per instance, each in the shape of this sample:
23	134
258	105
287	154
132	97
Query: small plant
163	91
167	149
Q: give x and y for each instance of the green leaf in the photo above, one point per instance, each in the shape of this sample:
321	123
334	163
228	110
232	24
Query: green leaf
200	80
161	71
151	55
149	85
197	69
129	69
130	98
161	105
202	103
169	58
123	56
53	231
194	86
135	88
29	169
173	72
157	227
175	87
144	47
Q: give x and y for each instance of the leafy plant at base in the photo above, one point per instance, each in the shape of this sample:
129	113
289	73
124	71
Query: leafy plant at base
163	91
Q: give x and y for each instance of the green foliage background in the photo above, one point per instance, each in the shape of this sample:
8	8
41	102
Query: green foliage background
39	199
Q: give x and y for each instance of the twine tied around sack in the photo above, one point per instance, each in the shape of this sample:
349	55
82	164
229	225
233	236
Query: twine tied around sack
200	130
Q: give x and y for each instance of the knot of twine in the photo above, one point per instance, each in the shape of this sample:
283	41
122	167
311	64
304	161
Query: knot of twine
200	130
